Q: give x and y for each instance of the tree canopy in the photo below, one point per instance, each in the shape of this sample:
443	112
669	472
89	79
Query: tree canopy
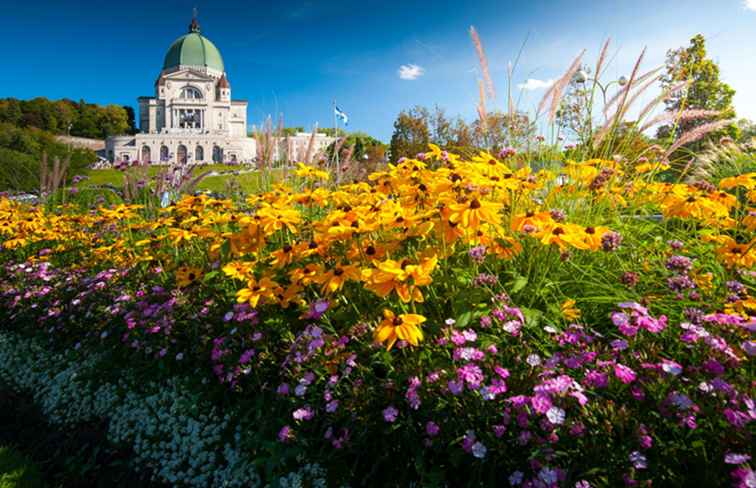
704	91
418	126
65	116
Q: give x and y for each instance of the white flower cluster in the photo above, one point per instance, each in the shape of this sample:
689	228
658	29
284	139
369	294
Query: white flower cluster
309	475
178	436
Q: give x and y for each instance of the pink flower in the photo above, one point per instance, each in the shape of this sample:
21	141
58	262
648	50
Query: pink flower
304	413
624	374
541	403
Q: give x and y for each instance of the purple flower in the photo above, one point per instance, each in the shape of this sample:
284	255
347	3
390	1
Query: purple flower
516	478
304	413
507	152
286	434
675	244
479	450
332	406
316	310
638	460
733	458
455	387
558	215
629	278
611	241
246	356
485	279
477	254
432	428
390	414
680	264
680	283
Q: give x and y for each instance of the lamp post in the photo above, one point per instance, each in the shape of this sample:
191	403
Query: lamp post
581	77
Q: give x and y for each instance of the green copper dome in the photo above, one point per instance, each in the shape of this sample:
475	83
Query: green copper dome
193	49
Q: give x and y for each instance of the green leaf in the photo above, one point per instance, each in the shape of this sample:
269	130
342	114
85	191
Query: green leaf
464	319
209	276
519	284
532	316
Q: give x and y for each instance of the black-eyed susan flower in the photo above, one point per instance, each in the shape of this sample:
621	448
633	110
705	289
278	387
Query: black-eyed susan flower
404	327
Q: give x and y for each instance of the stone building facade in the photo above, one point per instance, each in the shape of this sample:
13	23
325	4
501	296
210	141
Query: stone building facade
192	118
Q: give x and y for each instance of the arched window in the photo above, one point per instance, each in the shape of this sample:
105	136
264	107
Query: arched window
199	154
190	93
146	154
124	157
164	156
217	154
181	154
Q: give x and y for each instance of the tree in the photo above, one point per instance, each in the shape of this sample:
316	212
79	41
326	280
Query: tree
112	120
10	111
747	129
504	130
411	134
130	117
704	91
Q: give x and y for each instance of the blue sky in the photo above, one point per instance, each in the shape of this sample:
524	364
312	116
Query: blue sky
295	57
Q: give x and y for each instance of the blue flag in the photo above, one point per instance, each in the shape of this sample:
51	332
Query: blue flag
342	115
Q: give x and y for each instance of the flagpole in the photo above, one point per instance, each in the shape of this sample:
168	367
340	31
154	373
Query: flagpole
336	143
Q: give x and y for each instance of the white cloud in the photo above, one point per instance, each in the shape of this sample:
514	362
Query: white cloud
533	84
410	71
750	4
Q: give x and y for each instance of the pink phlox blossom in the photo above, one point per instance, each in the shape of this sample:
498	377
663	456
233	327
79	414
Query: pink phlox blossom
468	354
624	373
471	374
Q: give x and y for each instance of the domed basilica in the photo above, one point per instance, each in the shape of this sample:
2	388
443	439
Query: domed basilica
192	118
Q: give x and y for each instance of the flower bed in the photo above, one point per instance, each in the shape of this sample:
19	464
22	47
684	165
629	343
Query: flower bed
450	322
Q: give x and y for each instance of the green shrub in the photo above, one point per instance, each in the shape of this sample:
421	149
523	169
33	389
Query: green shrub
16	471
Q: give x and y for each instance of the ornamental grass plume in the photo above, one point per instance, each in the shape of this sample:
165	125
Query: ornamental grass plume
697	133
555	92
483	60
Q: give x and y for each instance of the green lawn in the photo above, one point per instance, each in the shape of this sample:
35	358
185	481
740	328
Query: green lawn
16	471
248	182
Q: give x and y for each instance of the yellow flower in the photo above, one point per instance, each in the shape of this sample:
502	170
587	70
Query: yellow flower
187	275
256	290
704	281
472	213
404	327
569	310
563	235
646	167
311	173
401	277
240	270
333	280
